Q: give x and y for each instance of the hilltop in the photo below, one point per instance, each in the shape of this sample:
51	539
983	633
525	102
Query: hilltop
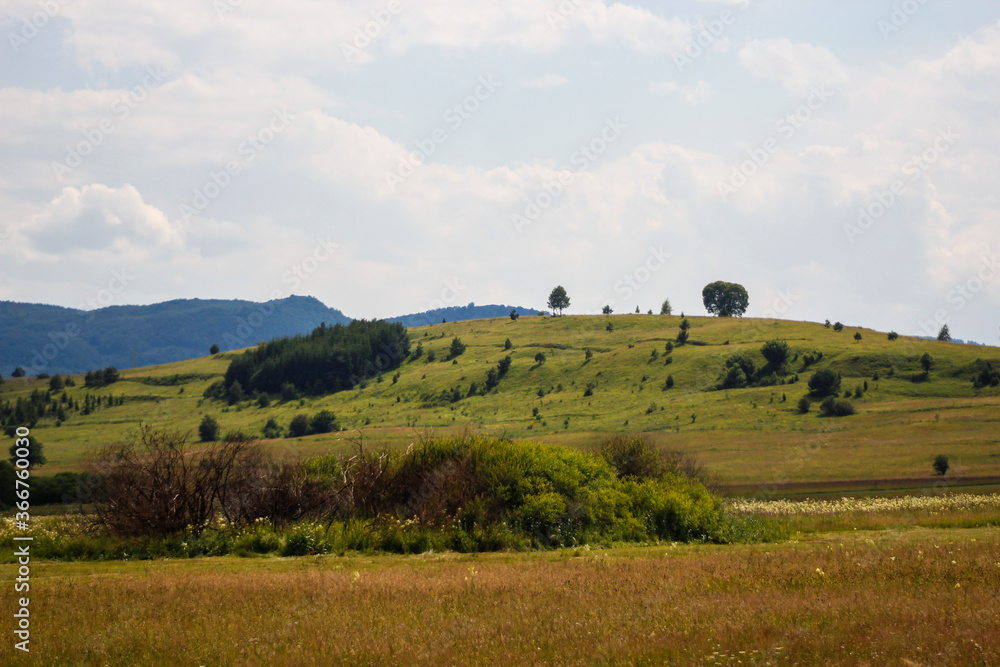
746	436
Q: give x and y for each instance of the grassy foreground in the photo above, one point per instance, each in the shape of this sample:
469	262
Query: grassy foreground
896	598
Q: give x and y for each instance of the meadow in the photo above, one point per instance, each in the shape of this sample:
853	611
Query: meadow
919	597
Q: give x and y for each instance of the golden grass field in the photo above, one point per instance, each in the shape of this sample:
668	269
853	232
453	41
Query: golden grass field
919	597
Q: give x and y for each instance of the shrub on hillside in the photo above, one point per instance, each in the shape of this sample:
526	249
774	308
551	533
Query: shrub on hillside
632	457
834	407
299	426
988	377
824	383
208	429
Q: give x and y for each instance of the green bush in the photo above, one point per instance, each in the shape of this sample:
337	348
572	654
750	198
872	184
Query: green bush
465	494
299	426
323	421
824	383
208	429
941	464
834	407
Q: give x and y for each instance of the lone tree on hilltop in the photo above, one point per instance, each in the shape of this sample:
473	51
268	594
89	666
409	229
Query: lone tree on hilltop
514	314
558	299
725	299
607	310
944	334
666	309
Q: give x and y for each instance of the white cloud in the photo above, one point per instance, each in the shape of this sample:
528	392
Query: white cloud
796	66
98	217
698	93
256	37
325	174
547	81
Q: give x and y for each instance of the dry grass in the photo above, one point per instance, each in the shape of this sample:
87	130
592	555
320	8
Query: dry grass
919	597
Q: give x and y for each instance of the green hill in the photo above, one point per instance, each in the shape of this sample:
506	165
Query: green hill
752	436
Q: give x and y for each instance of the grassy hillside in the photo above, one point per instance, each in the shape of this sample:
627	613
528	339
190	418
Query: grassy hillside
746	436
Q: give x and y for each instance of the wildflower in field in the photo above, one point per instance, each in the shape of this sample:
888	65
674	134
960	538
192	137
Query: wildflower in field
863	505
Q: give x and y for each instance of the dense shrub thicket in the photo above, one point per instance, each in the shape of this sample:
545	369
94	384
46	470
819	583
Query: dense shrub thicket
328	360
44	490
741	370
466	494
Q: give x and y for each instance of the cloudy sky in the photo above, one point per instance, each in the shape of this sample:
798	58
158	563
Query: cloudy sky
839	159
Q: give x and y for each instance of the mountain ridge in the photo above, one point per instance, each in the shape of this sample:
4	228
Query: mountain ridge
45	338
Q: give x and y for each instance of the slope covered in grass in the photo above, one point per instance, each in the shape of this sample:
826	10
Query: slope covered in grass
745	435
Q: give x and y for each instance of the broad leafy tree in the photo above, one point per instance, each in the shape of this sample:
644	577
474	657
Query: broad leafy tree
725	299
558	299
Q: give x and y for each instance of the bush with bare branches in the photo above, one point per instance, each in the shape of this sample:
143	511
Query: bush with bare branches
155	484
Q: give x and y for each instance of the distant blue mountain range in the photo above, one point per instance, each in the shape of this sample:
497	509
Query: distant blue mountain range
52	339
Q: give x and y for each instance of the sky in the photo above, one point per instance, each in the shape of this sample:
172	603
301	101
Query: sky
838	159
